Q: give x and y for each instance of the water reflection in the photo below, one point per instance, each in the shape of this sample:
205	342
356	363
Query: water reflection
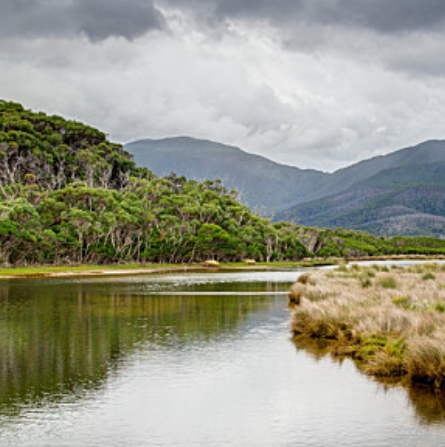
429	406
121	362
61	339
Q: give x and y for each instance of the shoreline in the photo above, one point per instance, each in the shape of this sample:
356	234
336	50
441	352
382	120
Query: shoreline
141	269
85	270
390	321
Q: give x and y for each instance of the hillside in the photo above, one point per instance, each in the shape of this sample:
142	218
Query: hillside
396	194
68	195
264	185
429	152
407	200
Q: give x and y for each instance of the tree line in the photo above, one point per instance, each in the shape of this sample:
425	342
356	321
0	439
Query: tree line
68	195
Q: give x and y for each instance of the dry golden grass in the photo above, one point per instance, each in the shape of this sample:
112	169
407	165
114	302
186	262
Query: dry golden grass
391	320
210	263
295	291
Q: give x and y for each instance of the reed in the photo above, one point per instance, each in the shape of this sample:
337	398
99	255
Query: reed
391	321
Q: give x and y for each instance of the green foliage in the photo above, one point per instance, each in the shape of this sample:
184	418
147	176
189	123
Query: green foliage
388	282
402	301
428	276
68	195
440	307
365	282
349	243
403	195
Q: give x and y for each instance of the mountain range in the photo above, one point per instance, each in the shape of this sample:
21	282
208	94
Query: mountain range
402	193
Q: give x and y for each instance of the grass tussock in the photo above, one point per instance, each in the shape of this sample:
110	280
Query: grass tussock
295	293
391	321
387	282
428	276
296	290
305	278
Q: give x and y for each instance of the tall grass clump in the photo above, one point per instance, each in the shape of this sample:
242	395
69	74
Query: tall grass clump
393	325
342	265
305	278
296	290
295	294
428	276
365	282
387	282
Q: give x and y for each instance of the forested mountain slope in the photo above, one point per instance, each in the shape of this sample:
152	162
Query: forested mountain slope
263	185
70	196
396	194
407	200
429	152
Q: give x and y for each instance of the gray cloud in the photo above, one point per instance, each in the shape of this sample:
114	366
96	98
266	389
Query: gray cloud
314	83
96	19
398	15
389	16
100	19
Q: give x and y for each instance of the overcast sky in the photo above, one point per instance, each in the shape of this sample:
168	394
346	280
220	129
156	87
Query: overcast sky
312	83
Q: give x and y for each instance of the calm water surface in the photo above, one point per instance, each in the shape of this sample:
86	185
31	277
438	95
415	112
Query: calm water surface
185	360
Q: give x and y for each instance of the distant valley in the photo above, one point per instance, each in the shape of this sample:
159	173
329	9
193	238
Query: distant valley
402	193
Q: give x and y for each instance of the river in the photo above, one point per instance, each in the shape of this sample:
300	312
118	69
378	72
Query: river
198	359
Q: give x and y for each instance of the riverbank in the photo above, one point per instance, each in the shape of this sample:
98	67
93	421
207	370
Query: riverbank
390	320
46	271
143	269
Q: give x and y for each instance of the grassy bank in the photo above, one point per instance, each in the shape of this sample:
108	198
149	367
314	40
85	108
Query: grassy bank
136	269
391	320
87	270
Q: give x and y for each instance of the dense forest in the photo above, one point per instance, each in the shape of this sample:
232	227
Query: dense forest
70	196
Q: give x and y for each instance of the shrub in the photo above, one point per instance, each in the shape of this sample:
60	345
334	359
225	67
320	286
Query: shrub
440	307
365	282
402	301
388	282
428	276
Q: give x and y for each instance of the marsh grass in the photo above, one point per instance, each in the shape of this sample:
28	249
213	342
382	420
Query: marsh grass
296	290
387	282
428	276
392	324
305	278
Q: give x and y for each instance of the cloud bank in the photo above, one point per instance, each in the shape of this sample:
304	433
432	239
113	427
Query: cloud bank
313	83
